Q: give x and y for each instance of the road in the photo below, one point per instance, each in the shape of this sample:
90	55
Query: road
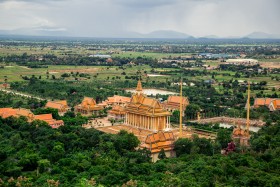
21	94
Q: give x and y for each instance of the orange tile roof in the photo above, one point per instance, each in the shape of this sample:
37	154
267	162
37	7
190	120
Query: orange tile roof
44	117
54	105
49	119
176	99
7	112
262	102
159	140
117	110
174	102
89	104
59	105
276	104
63	102
25	112
118	99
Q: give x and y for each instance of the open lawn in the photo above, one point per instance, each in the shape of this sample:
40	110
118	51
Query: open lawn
15	72
133	54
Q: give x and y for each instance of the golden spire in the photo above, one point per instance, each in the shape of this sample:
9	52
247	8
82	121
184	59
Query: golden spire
181	108
139	86
248	109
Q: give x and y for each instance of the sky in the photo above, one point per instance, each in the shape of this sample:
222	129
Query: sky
120	18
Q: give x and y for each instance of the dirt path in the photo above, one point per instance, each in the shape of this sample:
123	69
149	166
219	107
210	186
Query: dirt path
20	94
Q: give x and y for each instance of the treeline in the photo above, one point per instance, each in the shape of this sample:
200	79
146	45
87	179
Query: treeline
35	61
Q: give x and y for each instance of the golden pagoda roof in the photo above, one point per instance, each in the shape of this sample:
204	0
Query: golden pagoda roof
89	103
141	104
117	110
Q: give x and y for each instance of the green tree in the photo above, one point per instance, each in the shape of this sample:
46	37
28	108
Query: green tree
125	141
183	146
223	137
161	154
191	111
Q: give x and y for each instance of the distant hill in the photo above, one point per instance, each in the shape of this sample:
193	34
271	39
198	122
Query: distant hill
38	31
262	35
211	36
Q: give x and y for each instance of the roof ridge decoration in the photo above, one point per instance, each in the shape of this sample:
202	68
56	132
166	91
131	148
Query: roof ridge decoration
139	86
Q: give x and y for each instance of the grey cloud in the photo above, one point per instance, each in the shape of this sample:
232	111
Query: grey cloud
31	1
144	3
120	17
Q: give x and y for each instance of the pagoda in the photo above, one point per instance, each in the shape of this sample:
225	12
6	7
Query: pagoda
146	113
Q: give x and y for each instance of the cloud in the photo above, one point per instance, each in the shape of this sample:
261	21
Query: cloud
144	3
116	18
30	1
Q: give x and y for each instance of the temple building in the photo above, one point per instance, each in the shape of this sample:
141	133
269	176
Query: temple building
271	103
117	100
117	113
157	141
8	112
146	113
61	106
173	103
88	107
274	105
49	120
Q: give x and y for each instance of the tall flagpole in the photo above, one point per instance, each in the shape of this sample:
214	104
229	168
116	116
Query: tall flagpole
181	109
248	109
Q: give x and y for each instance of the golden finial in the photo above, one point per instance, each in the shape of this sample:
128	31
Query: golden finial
139	86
